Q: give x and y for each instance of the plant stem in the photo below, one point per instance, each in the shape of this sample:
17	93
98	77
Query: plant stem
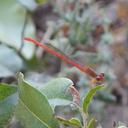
23	31
84	118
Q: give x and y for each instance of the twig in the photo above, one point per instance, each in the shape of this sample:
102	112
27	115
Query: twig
48	34
23	32
84	117
15	49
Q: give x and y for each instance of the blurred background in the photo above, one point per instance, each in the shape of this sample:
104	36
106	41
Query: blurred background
92	32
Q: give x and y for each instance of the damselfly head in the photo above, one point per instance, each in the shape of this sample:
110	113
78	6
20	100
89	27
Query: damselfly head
100	77
98	80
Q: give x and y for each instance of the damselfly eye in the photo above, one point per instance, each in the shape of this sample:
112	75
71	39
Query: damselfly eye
100	77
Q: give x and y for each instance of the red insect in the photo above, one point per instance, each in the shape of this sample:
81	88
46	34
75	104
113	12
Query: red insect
85	69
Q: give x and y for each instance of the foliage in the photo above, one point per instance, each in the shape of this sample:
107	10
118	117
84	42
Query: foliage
7	107
7	102
33	109
6	90
89	96
92	33
34	106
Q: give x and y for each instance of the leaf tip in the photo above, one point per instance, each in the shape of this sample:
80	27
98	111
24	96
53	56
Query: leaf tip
20	77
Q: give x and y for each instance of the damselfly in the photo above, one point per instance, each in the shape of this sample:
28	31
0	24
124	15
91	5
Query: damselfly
89	71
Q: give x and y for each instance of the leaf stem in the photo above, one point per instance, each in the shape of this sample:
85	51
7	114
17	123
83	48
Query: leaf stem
84	117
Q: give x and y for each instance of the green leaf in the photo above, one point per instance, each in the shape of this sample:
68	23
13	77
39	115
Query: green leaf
59	102
12	17
88	97
6	109
91	123
71	122
6	90
75	122
57	91
34	109
27	118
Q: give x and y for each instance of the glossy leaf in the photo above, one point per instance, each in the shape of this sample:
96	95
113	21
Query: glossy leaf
6	90
88	97
34	109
